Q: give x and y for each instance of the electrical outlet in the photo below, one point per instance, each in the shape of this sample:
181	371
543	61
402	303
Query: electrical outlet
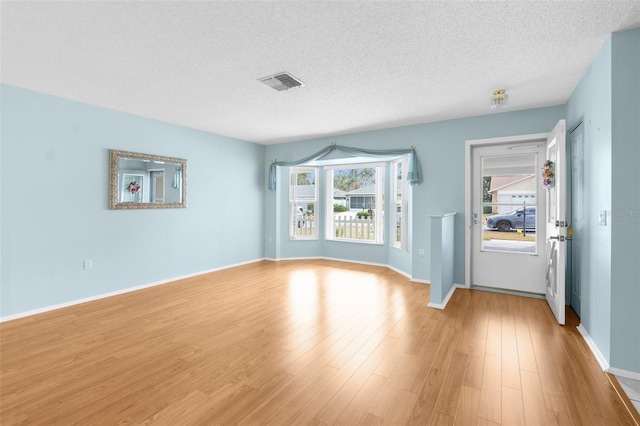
88	264
421	252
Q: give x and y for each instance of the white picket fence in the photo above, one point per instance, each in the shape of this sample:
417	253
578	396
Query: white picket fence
344	226
354	228
305	227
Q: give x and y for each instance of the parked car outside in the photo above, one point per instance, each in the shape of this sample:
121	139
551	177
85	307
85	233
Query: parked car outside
522	218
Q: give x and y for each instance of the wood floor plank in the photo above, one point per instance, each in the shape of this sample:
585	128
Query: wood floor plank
439	419
512	407
313	342
494	338
369	419
491	391
447	402
423	364
559	419
396	381
326	393
345	395
423	412
475	363
447	343
237	412
188	410
400	411
468	406
547	370
485	422
532	398
291	398
356	410
510	364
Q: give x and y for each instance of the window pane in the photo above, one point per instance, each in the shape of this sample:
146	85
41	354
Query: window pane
509	203
359	190
400	203
303	200
398	187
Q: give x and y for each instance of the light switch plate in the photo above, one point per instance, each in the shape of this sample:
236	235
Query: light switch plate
602	217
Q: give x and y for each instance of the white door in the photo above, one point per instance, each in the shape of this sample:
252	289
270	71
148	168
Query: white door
556	225
157	186
508	234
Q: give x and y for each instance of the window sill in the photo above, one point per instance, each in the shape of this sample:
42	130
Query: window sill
346	240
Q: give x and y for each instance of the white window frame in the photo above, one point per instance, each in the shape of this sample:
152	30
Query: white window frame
403	202
380	203
294	200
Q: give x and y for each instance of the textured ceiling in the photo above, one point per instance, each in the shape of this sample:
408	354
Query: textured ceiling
366	65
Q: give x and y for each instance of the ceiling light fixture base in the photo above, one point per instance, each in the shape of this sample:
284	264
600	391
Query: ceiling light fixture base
499	99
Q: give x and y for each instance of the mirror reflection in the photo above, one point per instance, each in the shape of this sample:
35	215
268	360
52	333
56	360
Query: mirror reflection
140	181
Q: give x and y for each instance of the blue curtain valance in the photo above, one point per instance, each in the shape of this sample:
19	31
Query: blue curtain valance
413	176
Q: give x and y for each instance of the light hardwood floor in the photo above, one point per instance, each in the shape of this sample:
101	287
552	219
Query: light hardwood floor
301	342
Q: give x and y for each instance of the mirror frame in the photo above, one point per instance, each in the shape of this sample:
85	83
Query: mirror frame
114	204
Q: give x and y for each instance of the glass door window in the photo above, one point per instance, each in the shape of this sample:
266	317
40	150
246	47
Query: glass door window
509	203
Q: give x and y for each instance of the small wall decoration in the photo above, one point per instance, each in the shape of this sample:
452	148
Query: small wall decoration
548	174
133	187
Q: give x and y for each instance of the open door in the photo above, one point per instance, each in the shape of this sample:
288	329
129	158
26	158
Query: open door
554	175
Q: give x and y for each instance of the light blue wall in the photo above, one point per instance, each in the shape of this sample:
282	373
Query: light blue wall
625	206
441	150
54	177
608	100
591	102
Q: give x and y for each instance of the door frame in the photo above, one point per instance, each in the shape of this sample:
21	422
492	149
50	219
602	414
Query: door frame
570	277
469	145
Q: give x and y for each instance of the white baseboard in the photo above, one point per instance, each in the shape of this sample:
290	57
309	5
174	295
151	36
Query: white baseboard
403	273
140	287
335	259
602	361
624	373
118	292
446	299
418	280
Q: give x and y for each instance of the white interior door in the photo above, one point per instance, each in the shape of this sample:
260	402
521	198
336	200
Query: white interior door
556	226
507	232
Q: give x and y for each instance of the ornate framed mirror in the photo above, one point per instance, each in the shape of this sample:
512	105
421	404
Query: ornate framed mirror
145	181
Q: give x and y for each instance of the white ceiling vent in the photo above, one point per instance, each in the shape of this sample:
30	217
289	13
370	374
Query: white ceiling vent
281	81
